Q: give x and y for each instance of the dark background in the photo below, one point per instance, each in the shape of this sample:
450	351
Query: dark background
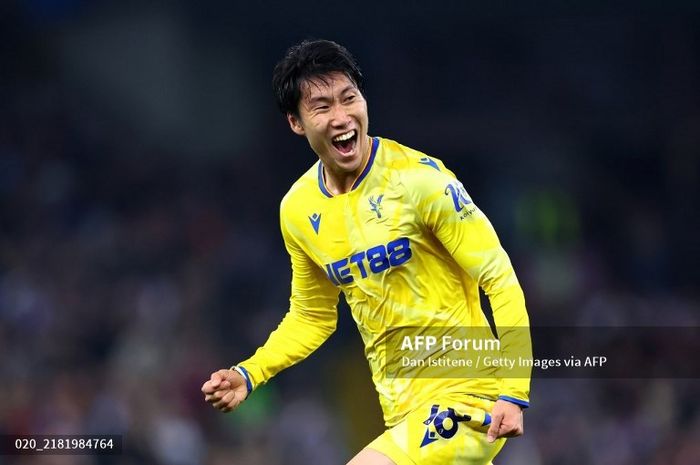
142	161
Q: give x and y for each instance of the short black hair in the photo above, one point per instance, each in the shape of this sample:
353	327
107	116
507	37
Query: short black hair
308	60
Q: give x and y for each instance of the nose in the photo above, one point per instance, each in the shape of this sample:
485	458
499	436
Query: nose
339	117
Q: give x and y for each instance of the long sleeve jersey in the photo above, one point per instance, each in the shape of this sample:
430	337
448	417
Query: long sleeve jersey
409	249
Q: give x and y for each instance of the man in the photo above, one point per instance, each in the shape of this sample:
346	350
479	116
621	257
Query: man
398	234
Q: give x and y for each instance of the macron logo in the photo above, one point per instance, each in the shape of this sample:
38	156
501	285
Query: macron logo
429	162
315	220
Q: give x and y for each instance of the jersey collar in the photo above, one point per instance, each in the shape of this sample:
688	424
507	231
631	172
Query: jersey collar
360	178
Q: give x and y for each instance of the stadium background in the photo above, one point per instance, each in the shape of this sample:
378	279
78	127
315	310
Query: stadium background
142	160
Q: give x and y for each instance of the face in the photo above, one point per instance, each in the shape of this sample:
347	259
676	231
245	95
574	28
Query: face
333	118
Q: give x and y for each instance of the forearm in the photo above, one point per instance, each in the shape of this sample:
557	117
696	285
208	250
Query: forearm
512	324
513	327
297	336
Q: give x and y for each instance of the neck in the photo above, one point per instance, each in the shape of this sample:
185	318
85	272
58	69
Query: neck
341	183
338	183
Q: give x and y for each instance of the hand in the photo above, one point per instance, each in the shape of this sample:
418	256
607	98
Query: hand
506	421
225	390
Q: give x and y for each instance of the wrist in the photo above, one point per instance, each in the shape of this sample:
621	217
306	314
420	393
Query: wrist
246	376
523	404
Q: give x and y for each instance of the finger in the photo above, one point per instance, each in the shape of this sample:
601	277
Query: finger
225	400
495	427
230	398
511	432
230	408
215	380
208	388
215	396
232	403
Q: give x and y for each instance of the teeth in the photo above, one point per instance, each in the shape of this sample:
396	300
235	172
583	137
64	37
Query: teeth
343	137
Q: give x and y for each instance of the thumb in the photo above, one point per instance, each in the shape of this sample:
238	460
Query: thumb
495	427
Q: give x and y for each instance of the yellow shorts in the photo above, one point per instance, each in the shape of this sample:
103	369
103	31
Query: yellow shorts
443	432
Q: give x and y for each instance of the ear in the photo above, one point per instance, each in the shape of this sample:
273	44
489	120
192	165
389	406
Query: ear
295	124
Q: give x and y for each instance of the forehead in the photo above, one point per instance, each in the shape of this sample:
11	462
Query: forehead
325	85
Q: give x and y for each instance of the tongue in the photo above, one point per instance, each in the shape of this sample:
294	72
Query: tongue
345	146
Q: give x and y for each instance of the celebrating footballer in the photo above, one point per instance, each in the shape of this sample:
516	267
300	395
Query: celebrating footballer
397	233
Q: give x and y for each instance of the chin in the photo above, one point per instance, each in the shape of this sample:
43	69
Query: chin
350	166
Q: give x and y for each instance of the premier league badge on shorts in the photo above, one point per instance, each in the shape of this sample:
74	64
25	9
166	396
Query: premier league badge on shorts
443	424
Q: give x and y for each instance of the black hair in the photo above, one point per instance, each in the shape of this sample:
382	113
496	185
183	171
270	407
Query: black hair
308	60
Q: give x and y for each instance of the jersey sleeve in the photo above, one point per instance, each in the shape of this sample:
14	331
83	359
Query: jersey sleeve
311	318
446	209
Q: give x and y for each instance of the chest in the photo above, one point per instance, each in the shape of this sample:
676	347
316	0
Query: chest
357	236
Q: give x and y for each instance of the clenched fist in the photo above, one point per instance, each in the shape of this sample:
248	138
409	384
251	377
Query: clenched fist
225	390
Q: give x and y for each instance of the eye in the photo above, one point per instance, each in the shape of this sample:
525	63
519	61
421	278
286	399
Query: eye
322	108
350	98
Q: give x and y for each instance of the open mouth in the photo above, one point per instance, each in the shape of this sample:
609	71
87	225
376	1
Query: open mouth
345	143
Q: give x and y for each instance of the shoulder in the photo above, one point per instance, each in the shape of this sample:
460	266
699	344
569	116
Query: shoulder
417	172
399	156
300	191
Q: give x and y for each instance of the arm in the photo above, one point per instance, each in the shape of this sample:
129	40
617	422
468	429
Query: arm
473	243
311	319
469	237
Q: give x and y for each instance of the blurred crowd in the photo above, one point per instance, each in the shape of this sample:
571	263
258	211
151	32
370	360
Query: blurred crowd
130	268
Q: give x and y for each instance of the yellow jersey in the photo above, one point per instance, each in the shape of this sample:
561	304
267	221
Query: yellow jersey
408	248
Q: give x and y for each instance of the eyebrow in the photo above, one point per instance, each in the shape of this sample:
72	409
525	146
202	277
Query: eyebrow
319	98
324	98
348	88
